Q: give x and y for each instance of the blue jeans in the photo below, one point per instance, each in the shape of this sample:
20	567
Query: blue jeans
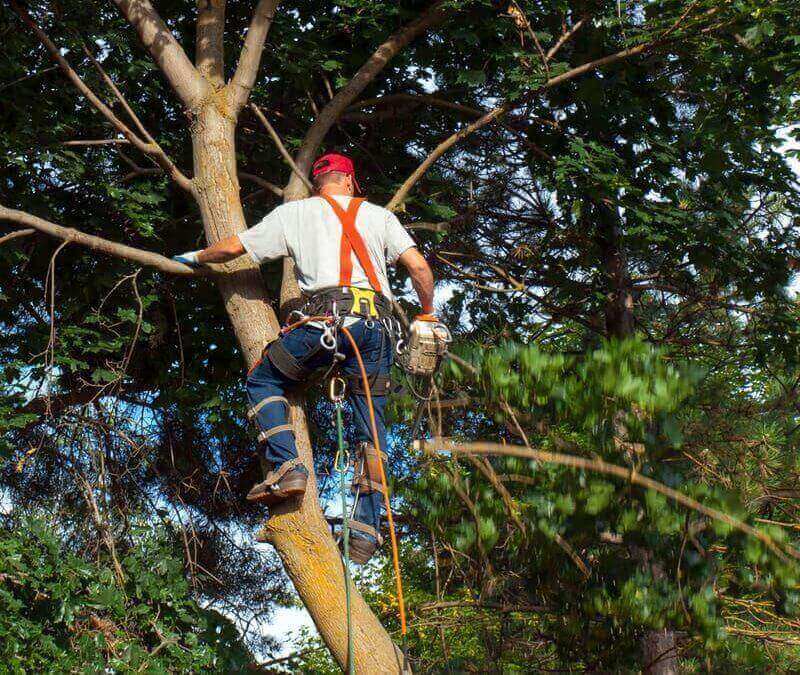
303	343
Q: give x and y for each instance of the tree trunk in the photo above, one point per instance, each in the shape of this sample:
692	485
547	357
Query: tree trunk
660	653
300	535
619	288
659	647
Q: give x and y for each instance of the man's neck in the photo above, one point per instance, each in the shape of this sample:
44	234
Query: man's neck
332	191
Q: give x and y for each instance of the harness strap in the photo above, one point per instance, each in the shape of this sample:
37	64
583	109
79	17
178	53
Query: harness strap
269	433
366	529
285	361
380	385
274	476
352	242
266	401
367	485
366	475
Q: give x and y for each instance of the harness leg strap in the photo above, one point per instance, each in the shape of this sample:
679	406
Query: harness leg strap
367	475
252	412
286	362
265	434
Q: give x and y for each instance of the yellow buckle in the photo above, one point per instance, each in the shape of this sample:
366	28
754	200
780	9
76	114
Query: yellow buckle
364	299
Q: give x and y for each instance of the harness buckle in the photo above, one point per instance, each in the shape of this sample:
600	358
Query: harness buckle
364	302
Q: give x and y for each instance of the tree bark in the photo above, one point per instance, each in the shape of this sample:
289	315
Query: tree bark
298	532
660	653
619	288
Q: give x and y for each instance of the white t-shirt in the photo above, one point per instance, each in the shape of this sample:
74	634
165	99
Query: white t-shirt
310	232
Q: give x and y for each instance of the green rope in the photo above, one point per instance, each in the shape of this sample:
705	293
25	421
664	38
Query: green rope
341	467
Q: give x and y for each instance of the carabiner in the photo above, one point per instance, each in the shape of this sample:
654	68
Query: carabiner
337	389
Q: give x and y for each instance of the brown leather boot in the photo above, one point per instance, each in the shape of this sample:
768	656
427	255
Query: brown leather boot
291	484
361	550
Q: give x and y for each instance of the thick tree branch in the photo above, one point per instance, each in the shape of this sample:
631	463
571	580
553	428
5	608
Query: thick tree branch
281	147
247	69
112	248
210	49
165	50
366	74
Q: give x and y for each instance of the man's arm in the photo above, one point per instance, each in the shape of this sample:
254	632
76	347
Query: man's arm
223	251
421	277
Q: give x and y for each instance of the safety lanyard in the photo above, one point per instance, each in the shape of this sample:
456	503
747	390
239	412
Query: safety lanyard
352	242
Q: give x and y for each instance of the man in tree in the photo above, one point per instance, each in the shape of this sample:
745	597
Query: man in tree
340	245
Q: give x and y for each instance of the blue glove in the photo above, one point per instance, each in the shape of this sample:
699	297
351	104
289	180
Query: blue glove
189	259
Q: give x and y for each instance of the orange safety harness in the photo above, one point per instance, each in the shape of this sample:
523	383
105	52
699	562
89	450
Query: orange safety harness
352	242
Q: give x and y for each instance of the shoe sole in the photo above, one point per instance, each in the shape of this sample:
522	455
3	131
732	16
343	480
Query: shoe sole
291	487
361	553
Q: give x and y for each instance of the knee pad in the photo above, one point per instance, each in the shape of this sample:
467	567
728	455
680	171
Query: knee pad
367	474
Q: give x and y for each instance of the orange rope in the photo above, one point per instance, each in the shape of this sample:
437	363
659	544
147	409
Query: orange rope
395	555
304	320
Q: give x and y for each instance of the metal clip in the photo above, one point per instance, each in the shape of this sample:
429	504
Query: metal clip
300	316
328	339
337	389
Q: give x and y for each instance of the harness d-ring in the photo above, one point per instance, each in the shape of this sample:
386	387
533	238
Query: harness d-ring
328	340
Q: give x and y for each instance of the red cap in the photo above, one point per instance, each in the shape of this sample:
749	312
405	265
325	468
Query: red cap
333	161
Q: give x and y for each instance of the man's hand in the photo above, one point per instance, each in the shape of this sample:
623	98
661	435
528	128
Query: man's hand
190	259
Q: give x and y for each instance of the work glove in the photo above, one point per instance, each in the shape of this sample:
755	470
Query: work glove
424	324
189	259
426	317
